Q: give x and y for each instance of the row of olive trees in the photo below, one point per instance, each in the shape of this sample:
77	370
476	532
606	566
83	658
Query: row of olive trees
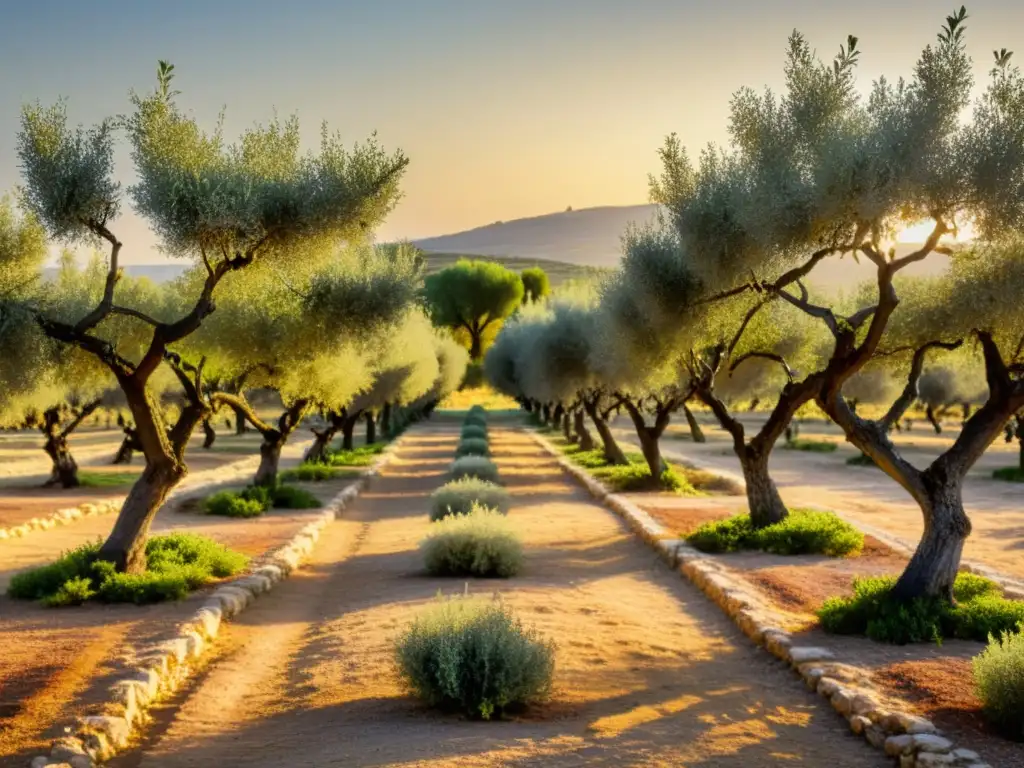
819	172
274	295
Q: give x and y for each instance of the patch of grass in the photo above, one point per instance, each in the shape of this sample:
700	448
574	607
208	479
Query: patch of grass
709	482
458	497
360	456
474	655
480	543
176	564
999	682
93	479
472	446
813	446
290	497
861	460
632	477
1009	474
803	532
474	466
315	473
979	611
234	504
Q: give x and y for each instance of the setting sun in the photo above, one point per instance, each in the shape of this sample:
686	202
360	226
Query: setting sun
918	233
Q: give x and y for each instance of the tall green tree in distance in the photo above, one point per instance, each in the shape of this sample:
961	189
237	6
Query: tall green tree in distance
536	285
472	296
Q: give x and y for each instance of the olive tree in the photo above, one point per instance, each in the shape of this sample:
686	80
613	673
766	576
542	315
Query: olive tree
224	207
306	334
821	172
536	284
472	296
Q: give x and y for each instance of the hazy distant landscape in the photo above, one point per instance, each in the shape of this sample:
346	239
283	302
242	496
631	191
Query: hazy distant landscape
574	244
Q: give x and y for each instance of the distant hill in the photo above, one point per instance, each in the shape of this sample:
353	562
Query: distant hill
588	237
577	244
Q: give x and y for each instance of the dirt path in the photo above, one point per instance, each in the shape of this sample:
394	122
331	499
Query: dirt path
649	672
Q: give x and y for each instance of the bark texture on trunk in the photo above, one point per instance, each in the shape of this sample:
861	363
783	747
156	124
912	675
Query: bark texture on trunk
126	545
650	446
348	429
613	454
567	432
128	446
586	440
371	428
270	458
546	413
65	470
763	499
475	345
385	420
695	431
934	565
209	434
929	413
240	426
318	451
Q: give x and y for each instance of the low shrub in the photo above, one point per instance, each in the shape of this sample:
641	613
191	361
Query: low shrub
477	410
234	504
290	497
472	446
315	473
475	419
474	655
362	456
480	543
802	532
999	681
637	477
979	611
473	432
474	466
458	497
176	564
813	446
1009	474
114	479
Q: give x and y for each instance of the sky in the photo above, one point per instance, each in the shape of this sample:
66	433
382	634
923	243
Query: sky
506	108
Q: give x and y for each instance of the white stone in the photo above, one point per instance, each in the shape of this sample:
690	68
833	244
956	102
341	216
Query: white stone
803	653
915	724
929	742
928	759
116	729
40	762
194	644
966	755
176	649
858	724
255	584
899	745
207	619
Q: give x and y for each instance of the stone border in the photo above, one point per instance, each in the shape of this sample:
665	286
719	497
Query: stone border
167	664
225	475
914	740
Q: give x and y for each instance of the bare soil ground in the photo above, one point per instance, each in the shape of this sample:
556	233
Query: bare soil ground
56	664
649	672
934	681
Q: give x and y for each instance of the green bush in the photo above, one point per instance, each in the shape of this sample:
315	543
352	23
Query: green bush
999	682
361	456
480	543
473	432
813	446
233	504
475	656
979	611
1009	474
802	532
472	446
637	477
315	473
458	497
477	410
290	497
474	466
176	564
103	479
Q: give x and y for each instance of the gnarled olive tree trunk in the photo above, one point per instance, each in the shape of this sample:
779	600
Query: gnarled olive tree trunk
613	454
695	431
240	426
274	441
209	433
567	432
650	437
385	420
65	470
933	567
319	450
128	446
586	440
371	428
763	499
348	430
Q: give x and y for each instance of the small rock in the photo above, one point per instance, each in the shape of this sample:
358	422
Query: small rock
858	723
899	745
966	755
929	742
116	729
842	701
914	724
827	686
805	653
40	762
875	736
927	759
